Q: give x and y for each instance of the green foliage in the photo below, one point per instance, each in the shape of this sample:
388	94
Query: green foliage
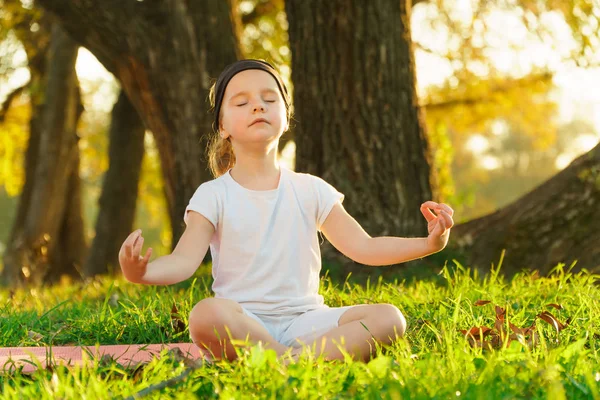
434	360
13	144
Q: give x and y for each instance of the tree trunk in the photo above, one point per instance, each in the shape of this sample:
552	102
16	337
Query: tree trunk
555	223
50	210
119	189
69	253
36	47
359	125
165	54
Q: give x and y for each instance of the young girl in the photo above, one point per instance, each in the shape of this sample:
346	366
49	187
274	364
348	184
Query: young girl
261	222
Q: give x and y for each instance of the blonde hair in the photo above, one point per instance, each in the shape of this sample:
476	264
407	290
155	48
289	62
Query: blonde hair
220	155
220	151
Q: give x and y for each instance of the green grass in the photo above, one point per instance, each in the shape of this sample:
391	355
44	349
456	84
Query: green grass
434	360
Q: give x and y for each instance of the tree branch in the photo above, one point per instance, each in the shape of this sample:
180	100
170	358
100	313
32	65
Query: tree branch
101	28
498	89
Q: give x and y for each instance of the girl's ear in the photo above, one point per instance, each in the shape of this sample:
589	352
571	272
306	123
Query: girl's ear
222	132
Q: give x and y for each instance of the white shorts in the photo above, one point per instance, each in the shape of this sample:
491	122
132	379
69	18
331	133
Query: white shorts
298	329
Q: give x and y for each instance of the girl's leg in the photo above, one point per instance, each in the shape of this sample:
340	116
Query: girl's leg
213	322
384	323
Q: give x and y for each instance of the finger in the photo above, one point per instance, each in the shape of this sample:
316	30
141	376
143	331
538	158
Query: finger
448	221
135	240
147	256
133	236
128	244
447	208
137	250
425	210
442	225
435	231
430	204
127	248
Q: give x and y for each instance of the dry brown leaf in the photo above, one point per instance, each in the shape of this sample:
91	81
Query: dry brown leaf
530	329
481	302
516	329
500	313
137	371
176	321
480	344
552	320
554	305
499	325
477	332
496	341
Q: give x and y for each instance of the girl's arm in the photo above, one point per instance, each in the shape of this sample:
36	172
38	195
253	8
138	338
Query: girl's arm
342	230
173	268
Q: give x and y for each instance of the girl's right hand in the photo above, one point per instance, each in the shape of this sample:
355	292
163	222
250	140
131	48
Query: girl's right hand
132	263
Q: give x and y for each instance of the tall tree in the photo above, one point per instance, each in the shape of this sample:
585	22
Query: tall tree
359	125
119	189
47	239
164	53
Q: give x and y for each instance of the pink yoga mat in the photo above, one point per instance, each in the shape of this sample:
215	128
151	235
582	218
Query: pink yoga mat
11	358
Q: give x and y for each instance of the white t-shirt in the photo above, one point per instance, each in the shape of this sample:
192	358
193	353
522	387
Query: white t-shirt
265	250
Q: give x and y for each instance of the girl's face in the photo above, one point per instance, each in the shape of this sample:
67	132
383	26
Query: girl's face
253	110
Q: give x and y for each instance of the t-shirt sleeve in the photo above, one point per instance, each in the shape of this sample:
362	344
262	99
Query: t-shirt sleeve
327	197
204	201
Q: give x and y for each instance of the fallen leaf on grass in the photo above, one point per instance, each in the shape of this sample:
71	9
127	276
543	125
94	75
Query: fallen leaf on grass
500	313
481	344
500	335
521	331
176	321
481	302
557	306
477	332
551	319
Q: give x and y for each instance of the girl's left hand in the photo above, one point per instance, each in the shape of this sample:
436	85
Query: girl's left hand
438	224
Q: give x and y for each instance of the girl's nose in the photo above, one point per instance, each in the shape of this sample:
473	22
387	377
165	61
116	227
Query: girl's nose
259	107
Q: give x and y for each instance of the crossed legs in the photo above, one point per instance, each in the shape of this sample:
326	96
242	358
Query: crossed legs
213	322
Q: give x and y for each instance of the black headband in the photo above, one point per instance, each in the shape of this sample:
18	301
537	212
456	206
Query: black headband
231	70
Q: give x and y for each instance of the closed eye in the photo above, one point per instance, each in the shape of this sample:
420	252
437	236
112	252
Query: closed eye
242	104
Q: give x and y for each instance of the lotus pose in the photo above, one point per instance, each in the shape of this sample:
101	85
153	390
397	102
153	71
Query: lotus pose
261	222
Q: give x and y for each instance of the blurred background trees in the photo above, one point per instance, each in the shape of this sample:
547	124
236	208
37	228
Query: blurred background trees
506	88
